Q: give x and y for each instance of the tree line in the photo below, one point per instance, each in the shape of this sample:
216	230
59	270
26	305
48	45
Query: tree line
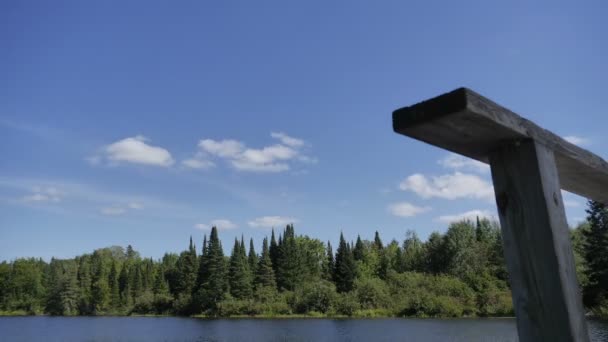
458	273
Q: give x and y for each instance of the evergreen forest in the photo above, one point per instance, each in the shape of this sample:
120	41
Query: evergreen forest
455	274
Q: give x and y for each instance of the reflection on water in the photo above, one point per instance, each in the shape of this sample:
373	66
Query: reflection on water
189	329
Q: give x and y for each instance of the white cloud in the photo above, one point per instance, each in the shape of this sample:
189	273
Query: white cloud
571	204
121	209
469	215
450	186
224	148
198	164
273	158
134	150
287	140
43	194
135	205
576	140
93	160
202	226
113	211
271	221
458	162
405	209
220	224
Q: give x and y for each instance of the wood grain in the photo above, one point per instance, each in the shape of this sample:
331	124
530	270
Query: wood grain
467	123
537	245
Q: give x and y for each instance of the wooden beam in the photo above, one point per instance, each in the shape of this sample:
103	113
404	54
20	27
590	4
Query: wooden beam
536	242
467	123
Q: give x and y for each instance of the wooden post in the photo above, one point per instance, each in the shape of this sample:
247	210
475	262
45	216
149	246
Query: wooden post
529	167
536	242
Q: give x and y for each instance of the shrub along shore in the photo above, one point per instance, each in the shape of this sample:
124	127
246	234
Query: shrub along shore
459	273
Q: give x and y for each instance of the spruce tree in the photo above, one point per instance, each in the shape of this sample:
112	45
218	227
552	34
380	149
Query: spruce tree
238	272
289	269
214	283
123	285
265	273
274	251
329	263
596	254
187	270
359	250
377	242
114	287
345	272
160	283
201	265
99	287
253	257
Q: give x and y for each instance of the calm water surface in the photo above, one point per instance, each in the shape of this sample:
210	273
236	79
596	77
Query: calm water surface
189	329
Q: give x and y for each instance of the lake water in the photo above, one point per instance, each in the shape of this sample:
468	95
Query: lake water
190	329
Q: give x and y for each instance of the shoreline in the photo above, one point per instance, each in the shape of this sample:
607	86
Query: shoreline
262	317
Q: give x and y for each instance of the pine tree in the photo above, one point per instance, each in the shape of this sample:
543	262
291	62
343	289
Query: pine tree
214	284
84	284
238	272
114	287
289	269
99	285
187	270
377	242
330	265
596	254
345	267
135	282
123	286
274	251
201	265
253	258
160	283
359	250
265	273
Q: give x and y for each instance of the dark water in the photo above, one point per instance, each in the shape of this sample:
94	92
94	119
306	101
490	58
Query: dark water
190	329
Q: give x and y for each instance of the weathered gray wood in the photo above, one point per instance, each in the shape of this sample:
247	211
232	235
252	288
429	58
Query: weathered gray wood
467	123
537	244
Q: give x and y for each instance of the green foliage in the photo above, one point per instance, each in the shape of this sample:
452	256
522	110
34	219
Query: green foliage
317	296
289	269
345	272
595	242
459	273
421	295
213	275
372	293
265	273
239	275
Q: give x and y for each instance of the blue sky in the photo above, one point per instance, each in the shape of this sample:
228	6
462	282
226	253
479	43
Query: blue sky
145	122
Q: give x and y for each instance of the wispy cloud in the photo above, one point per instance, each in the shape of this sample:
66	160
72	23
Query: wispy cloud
113	211
576	140
136	150
121	209
405	209
450	186
271	221
74	197
198	163
220	224
43	194
457	162
469	215
287	140
272	158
